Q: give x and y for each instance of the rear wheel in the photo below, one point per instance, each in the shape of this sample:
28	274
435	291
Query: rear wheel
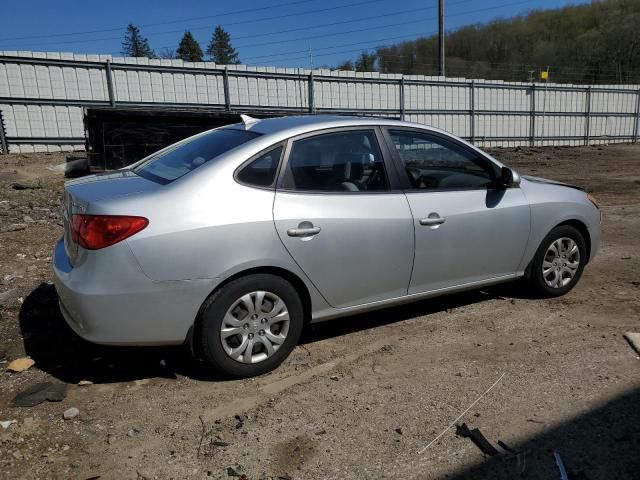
251	325
558	264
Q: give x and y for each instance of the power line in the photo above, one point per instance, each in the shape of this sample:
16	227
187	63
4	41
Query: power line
331	24
240	22
168	22
377	27
261	44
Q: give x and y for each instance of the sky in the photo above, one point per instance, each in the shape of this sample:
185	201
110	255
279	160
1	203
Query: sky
283	33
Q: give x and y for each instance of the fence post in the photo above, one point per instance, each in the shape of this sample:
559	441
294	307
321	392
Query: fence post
112	97
401	93
587	122
637	120
225	86
4	149
532	116
312	106
472	120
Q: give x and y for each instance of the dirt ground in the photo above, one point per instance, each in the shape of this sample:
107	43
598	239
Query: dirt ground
360	397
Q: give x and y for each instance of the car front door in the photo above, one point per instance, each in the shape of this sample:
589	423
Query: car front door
467	229
339	218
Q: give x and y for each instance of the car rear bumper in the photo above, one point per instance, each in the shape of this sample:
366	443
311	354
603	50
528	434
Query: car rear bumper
106	298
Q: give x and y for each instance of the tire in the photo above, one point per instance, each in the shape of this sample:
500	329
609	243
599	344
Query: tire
246	325
561	281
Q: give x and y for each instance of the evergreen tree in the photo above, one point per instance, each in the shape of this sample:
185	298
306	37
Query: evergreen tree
134	44
220	49
189	49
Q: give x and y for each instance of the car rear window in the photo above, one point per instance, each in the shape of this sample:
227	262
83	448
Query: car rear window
171	164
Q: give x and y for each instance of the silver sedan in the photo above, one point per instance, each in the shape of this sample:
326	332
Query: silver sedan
234	239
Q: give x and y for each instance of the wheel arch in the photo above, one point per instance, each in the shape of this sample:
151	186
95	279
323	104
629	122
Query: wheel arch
192	336
572	222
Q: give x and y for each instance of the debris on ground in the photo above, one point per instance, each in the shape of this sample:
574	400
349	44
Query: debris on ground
235	471
38	393
478	438
14	227
560	464
8	296
70	413
20	364
506	447
23	186
634	340
7	423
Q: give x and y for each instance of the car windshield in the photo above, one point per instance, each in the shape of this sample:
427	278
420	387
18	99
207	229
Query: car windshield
166	166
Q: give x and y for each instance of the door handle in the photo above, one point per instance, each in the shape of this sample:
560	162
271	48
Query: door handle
433	220
303	230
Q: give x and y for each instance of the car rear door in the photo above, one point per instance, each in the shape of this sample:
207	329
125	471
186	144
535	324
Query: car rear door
339	216
466	229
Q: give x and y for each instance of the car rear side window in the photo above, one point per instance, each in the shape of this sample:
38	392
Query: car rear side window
348	161
261	172
169	165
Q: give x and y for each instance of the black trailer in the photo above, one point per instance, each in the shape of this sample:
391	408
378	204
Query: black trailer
117	137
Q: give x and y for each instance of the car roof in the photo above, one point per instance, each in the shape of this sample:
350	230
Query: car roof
310	123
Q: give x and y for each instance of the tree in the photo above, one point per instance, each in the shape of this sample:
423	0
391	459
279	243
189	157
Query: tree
348	65
366	62
167	53
189	49
220	49
134	44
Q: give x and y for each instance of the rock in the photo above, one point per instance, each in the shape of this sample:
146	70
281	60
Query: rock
8	297
111	439
84	383
21	256
398	431
7	423
235	471
334	378
132	432
22	186
38	393
14	227
20	364
70	413
27	219
634	340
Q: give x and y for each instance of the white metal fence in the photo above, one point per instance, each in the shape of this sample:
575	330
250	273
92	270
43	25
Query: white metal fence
43	95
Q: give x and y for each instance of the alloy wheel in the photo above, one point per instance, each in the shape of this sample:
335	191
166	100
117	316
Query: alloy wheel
254	327
561	262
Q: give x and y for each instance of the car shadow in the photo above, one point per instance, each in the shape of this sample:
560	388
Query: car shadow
602	443
59	351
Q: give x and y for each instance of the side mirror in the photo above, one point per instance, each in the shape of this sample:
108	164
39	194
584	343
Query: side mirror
508	178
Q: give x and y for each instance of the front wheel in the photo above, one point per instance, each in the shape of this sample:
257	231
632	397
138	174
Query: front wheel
558	264
251	325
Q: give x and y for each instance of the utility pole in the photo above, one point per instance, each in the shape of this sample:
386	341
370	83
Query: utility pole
441	37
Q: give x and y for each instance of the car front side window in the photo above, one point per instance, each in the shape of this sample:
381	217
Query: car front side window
347	161
432	163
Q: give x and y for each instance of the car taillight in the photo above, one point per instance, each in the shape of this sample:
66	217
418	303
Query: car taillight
98	231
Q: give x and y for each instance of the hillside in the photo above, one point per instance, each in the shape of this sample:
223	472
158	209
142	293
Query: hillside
592	43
